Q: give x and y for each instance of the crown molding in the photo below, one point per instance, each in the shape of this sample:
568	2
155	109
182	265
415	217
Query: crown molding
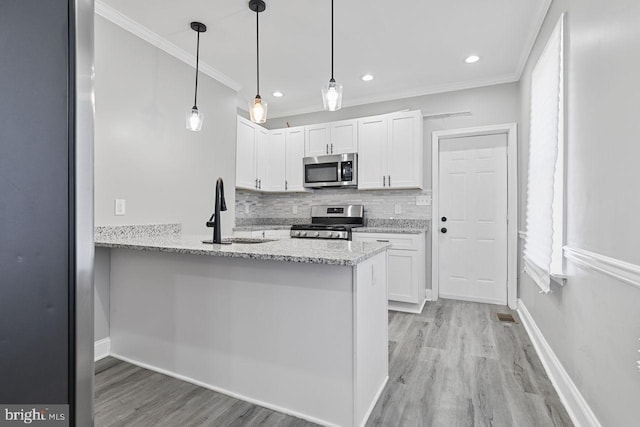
409	93
137	29
532	37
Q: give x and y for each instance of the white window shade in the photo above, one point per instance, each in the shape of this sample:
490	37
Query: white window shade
545	188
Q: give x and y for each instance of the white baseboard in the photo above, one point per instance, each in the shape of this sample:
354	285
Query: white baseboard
578	409
428	294
373	403
224	391
101	349
406	307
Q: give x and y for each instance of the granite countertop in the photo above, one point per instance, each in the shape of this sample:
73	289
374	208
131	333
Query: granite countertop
330	252
398	230
394	225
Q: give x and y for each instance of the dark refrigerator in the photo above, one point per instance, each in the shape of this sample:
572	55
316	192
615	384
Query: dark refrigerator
46	212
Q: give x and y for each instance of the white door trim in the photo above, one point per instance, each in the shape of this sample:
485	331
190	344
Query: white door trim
511	130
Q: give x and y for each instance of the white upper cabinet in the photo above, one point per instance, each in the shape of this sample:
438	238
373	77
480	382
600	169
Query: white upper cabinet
246	155
390	151
317	139
294	155
372	153
262	139
405	152
276	161
251	150
331	138
344	137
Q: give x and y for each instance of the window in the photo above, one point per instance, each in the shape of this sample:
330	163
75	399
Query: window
545	189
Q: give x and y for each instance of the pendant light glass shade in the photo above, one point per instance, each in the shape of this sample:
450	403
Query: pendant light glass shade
258	110
194	119
332	93
332	96
257	107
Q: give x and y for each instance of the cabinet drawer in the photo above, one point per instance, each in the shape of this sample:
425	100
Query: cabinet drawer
397	240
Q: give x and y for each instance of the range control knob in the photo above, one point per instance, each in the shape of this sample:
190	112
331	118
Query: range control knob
315	234
303	233
335	235
296	233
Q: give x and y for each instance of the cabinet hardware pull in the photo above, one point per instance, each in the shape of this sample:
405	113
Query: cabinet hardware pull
331	148
384	181
260	184
286	185
383	241
256	182
326	149
389	180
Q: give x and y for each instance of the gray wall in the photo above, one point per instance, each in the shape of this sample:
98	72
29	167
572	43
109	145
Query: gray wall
143	152
593	322
488	105
102	278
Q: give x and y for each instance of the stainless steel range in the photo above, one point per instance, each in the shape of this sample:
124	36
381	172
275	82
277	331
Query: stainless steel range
330	222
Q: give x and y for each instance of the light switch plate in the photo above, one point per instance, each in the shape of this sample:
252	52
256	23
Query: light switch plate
120	207
246	208
398	209
423	200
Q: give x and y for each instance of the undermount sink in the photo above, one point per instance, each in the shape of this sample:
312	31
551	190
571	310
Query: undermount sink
241	240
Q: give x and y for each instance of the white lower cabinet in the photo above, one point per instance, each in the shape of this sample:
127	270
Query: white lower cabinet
406	268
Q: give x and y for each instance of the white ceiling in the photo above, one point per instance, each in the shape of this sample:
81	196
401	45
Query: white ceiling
412	47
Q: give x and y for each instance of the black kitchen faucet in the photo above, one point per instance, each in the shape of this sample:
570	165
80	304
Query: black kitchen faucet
219	205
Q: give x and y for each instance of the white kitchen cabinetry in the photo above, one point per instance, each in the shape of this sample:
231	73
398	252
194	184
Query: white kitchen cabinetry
293	163
246	155
406	268
331	138
251	150
390	152
276	155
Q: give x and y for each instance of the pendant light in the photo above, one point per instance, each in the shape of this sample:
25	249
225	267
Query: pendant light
332	93
257	107
194	116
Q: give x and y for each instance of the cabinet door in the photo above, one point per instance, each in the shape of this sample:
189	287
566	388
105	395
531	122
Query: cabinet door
262	139
344	137
372	154
245	155
275	163
317	139
405	150
295	154
404	275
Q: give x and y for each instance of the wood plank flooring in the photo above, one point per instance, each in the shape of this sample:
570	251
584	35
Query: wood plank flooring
454	364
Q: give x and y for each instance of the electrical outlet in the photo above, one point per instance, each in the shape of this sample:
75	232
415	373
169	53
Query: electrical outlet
246	208
294	209
120	207
423	200
398	209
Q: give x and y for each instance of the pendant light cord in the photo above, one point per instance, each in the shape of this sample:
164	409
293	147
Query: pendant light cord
195	97
258	49
331	39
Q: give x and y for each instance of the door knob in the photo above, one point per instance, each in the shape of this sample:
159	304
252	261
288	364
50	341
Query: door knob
444	219
443	230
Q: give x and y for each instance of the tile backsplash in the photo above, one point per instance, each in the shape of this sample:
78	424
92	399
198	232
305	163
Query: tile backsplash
377	204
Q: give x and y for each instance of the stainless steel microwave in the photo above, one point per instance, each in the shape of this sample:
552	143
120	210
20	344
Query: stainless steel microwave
339	170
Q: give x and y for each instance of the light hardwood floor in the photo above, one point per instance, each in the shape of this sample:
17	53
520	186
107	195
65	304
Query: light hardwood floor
454	364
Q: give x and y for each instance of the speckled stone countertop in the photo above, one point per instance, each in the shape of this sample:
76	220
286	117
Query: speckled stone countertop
402	226
290	250
262	227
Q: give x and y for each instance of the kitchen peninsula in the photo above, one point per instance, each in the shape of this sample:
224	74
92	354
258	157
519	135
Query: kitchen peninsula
297	326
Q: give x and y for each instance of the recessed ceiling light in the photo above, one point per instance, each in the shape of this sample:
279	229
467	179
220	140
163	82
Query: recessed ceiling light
471	59
278	94
367	77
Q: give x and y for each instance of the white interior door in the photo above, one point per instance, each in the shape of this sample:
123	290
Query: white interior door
472	228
